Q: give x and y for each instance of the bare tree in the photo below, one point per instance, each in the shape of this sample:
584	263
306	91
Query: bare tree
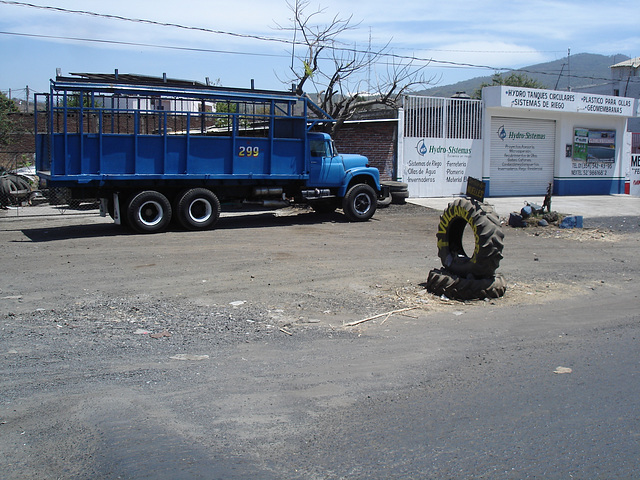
341	76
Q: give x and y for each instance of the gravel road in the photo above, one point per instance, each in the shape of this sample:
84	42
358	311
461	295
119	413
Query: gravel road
224	354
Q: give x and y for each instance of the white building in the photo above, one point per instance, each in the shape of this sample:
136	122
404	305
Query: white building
529	138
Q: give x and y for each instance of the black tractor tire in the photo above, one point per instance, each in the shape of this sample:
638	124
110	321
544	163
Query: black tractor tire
20	182
488	239
6	187
198	209
442	282
149	212
360	203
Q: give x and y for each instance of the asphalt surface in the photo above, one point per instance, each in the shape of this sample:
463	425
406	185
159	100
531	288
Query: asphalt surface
226	354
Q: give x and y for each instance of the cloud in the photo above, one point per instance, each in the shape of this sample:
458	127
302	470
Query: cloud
492	32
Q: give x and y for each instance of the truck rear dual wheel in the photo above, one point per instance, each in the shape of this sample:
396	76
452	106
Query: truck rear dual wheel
198	209
464	215
442	282
149	212
360	202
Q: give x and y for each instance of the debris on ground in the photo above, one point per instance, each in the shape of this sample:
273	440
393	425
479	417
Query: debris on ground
574	221
189	357
561	370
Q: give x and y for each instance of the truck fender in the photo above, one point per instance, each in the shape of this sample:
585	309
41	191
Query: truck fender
369	176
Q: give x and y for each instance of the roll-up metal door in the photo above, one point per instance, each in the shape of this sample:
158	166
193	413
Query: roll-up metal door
522	156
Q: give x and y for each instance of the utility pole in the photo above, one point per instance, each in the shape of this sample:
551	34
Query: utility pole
569	69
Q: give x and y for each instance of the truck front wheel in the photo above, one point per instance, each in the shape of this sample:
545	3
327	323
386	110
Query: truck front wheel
198	209
149	212
360	202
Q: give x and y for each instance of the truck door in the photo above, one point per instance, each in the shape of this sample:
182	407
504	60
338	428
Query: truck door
326	166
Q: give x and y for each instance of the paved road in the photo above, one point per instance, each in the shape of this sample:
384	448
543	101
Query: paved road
251	373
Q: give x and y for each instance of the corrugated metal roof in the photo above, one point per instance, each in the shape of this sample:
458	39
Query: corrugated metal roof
137	79
632	62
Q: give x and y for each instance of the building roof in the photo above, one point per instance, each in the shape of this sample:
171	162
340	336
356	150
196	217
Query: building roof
632	62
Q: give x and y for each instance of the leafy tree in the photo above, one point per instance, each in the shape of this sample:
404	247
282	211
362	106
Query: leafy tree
73	101
342	76
7	106
514	79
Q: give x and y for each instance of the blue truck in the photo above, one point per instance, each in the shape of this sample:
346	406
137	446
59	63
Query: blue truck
154	151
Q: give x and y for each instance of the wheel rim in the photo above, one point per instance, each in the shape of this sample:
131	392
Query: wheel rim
150	213
362	203
200	210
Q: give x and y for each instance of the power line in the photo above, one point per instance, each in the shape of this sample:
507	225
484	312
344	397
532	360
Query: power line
144	21
222	32
242	35
445	63
135	44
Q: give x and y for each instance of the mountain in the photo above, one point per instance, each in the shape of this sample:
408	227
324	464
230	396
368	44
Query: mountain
584	68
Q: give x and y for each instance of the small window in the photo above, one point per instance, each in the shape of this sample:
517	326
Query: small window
319	148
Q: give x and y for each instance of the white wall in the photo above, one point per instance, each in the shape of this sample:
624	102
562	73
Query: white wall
570	110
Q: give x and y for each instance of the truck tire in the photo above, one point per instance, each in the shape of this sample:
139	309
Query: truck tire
395	186
198	209
399	198
360	202
385	202
488	237
149	212
442	282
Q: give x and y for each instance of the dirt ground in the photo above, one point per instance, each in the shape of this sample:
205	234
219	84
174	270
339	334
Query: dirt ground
301	265
107	334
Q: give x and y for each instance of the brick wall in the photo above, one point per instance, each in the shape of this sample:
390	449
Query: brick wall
21	150
375	140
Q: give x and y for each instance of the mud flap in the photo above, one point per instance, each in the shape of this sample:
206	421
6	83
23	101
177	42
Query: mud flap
116	210
104	207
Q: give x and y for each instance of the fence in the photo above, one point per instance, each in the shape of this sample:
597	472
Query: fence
21	192
434	117
150	117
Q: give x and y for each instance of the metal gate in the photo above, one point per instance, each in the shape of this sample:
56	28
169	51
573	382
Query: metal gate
436	117
441	144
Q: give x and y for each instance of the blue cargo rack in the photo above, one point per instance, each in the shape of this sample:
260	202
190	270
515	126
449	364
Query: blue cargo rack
100	132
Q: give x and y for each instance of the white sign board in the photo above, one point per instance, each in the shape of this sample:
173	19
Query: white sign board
634	175
522	156
552	100
439	167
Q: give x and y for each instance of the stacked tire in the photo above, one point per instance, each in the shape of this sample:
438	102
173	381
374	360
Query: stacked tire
399	192
13	189
468	275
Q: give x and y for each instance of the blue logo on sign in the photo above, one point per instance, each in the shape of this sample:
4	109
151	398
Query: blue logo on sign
422	148
502	133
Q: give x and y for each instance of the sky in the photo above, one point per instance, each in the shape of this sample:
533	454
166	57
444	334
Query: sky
232	42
